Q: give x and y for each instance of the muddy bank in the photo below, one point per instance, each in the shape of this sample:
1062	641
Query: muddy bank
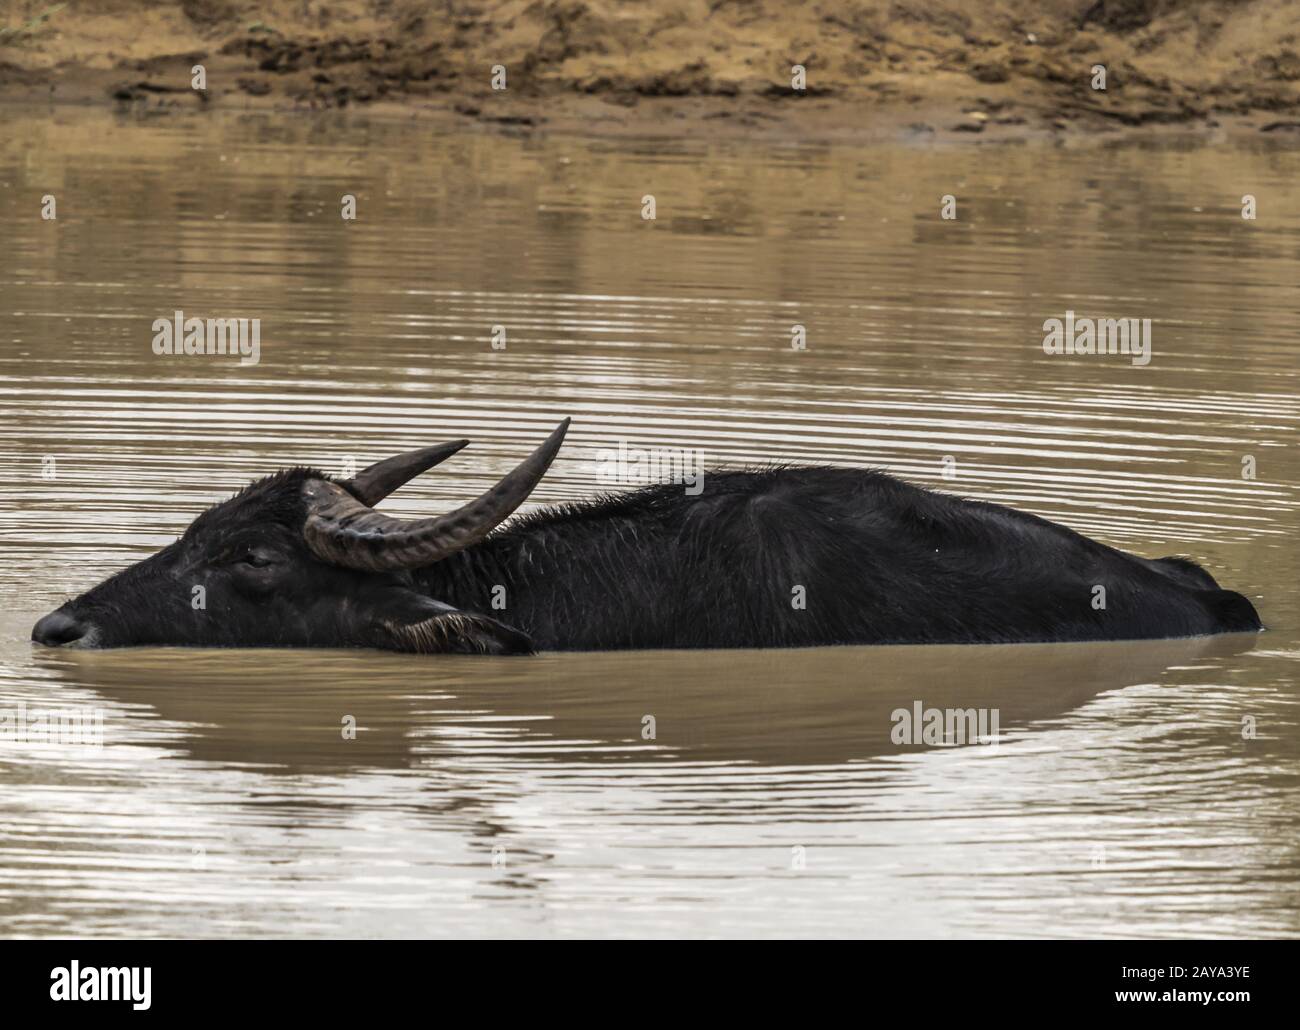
999	68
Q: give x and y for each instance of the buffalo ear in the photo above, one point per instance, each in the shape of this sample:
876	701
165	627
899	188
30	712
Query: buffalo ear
459	632
411	622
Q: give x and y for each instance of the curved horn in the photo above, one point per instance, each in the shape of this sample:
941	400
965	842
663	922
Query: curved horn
373	484
343	531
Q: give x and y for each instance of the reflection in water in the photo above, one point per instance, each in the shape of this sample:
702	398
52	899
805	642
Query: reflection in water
285	711
1136	788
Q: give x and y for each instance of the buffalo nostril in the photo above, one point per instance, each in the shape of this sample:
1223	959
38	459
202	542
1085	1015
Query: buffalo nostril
58	628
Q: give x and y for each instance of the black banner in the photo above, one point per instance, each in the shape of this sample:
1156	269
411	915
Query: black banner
144	979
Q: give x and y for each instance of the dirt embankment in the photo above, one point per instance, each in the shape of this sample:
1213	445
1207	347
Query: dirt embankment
997	67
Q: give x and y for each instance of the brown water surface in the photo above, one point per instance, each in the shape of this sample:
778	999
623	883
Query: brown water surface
520	797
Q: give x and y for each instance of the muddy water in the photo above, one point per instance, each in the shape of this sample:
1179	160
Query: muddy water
1120	796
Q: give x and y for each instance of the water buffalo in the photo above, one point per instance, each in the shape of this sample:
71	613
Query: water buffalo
776	557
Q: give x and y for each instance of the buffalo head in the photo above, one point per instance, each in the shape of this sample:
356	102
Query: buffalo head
300	559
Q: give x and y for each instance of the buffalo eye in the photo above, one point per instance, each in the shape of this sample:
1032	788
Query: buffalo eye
255	570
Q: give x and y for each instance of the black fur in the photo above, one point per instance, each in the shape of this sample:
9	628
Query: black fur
876	560
880	561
